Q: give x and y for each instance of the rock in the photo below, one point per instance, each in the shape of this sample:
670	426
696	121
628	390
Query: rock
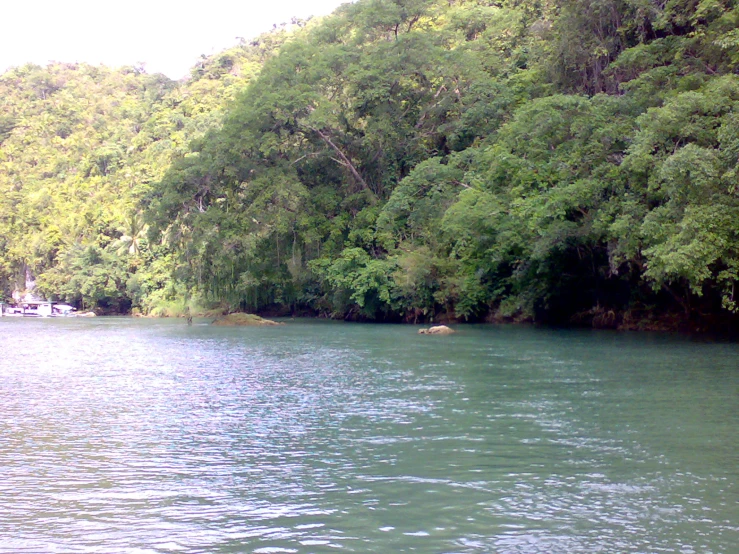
86	314
437	330
243	320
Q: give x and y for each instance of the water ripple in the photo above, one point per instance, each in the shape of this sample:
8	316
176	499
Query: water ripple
151	437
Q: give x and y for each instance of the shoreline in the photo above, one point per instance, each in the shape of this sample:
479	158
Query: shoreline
668	324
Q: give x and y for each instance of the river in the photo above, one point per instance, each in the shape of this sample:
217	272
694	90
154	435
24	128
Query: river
149	436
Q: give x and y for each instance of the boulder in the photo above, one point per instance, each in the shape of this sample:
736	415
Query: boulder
243	320
437	330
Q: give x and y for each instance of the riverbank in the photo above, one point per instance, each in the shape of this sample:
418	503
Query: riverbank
659	317
628	320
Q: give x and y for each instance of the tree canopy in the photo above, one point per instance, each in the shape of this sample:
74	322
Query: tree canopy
563	160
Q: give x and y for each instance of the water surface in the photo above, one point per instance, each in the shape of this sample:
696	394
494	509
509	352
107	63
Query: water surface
140	436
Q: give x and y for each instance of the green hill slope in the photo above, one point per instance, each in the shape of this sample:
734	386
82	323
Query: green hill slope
79	145
569	161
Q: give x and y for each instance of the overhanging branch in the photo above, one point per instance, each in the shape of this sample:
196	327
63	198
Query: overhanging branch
344	160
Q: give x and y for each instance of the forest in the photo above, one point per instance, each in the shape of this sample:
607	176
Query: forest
557	161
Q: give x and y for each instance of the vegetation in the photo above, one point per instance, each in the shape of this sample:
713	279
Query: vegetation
79	146
563	160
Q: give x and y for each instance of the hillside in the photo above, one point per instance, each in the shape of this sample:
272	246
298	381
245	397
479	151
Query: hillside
79	145
563	161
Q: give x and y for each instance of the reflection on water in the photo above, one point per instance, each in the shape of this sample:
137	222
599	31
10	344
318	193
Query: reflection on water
124	435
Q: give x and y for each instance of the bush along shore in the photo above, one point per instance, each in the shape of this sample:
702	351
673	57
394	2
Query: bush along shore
564	162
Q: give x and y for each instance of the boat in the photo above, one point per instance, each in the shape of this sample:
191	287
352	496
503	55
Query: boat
37	308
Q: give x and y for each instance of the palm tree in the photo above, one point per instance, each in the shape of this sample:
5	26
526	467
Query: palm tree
132	234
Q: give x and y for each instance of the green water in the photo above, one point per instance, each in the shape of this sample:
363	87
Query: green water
123	435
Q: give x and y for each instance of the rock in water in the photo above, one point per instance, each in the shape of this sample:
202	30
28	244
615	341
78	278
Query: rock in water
244	320
437	330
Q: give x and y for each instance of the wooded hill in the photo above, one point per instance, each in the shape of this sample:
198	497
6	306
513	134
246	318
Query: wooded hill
562	161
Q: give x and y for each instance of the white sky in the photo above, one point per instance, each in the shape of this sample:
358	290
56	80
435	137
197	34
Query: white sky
167	35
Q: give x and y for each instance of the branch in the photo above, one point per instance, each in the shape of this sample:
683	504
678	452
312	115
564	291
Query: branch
413	21
344	160
301	158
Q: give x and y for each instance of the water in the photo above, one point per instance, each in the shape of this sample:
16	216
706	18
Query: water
137	436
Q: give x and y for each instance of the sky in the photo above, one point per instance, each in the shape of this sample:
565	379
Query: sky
168	36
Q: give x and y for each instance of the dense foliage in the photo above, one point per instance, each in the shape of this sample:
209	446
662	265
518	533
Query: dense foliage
79	145
568	160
